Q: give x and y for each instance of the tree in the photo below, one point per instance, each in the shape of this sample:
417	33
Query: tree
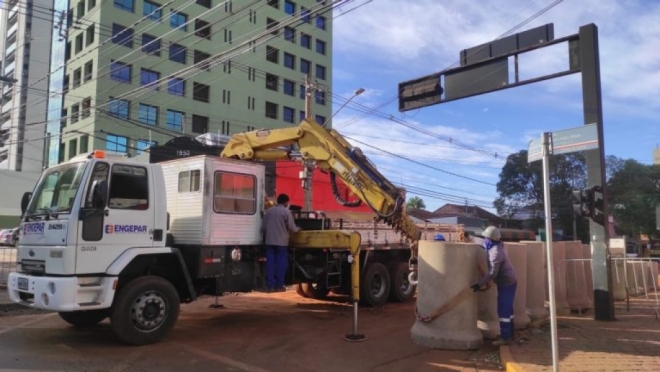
416	203
633	193
521	189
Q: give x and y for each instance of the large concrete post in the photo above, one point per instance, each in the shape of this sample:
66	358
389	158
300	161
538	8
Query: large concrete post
518	255
535	281
576	281
488	321
445	270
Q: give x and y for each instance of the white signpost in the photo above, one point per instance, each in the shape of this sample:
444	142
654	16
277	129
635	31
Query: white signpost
570	140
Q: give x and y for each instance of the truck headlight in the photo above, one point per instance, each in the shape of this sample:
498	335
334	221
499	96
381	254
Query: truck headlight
56	253
236	254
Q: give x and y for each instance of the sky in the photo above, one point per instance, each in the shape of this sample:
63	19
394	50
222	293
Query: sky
385	42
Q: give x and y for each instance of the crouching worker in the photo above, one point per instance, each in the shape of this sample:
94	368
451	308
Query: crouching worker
503	274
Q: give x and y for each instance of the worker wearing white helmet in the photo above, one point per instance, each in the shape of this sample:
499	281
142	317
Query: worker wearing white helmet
503	274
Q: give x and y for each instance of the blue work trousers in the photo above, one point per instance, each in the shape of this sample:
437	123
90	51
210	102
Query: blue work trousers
505	296
277	261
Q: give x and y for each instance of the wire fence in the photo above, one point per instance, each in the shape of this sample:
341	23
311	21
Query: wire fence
7	263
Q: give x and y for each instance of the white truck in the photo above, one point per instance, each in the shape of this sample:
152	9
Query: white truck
104	236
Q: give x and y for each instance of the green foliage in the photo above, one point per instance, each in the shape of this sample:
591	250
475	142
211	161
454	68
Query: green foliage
416	203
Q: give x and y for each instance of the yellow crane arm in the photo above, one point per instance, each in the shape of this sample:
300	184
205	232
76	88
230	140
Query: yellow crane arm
332	153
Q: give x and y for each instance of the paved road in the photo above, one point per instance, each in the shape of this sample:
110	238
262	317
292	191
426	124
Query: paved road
256	332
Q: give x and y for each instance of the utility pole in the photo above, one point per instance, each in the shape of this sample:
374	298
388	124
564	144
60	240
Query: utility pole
306	175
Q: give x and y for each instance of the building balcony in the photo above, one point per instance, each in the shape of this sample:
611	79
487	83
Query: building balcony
6	107
12	30
13	11
10	49
10	68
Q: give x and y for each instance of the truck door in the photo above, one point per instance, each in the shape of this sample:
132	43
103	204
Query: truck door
125	219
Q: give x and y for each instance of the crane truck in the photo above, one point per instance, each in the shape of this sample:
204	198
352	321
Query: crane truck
106	237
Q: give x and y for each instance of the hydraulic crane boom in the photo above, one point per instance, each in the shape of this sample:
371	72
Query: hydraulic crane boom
332	153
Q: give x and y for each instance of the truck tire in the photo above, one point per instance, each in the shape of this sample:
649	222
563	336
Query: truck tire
375	285
83	319
401	289
145	310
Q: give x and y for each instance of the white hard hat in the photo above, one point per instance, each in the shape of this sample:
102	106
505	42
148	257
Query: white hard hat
492	233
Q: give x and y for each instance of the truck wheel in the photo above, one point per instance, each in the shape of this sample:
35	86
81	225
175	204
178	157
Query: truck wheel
402	290
375	285
145	310
86	318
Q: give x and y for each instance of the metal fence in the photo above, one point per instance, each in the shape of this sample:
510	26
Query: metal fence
7	263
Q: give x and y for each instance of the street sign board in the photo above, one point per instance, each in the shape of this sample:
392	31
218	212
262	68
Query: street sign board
535	150
575	139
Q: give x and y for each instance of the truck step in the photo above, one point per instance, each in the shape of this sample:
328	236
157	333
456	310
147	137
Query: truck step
90	285
89	304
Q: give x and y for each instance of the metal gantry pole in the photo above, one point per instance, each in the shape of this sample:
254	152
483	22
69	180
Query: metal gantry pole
548	248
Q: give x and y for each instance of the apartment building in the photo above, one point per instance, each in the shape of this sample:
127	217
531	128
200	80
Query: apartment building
140	72
25	36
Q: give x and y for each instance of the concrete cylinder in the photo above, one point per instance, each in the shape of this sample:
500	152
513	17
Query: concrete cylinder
559	267
445	269
576	280
487	319
518	255
535	281
618	272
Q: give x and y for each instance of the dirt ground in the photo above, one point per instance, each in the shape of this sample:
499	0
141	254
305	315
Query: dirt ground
254	332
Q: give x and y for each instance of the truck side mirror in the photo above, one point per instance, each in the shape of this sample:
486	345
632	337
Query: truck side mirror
100	194
25	201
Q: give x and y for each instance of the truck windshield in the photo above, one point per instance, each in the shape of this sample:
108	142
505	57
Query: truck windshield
56	190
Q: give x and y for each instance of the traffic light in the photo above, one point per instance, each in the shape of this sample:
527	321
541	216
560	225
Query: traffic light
587	204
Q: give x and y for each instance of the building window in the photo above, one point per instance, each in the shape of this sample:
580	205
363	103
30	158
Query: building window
290	34
305	41
75	113
226	67
289	7
320	46
176	87
228	36
189	181
91	4
126	5
320	119
305	14
142	145
120	72
320	22
122	35
271	110
86	106
251	103
229	6
305	66
301	115
235	193
147	114
204	3
320	98
116	143
200	124
289	61
320	72
89	71
201	92
73	148
77	77
302	91
150	45
203	29
178	53
272	82
149	79
272	54
152	11
226	96
175	120
272	24
63	117
179	20
79	43
288	114
289	87
199	58
84	143
274	3
90	35
119	108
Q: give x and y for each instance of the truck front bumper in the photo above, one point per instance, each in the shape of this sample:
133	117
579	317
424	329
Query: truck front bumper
61	293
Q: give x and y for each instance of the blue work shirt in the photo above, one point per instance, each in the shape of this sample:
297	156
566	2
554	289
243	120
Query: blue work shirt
500	269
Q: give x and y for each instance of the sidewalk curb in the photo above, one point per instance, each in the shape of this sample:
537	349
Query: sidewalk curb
507	360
